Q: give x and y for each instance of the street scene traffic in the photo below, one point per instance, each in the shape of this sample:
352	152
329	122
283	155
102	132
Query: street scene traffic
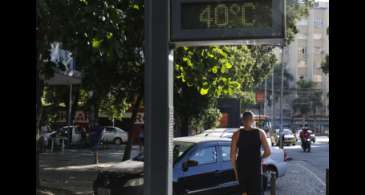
74	171
176	97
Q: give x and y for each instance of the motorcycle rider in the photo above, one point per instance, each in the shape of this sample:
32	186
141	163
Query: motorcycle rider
304	136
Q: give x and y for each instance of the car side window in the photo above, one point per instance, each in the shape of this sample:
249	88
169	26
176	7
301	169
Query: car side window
78	130
110	130
226	153
205	155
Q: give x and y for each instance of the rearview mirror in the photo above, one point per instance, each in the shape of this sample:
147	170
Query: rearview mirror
189	163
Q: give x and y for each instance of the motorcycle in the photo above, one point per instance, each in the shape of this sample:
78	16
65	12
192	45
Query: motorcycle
306	144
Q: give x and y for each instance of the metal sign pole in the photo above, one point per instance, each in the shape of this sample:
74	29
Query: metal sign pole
158	86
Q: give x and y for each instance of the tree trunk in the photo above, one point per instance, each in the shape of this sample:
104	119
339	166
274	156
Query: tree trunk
75	103
135	108
95	116
66	99
177	126
185	126
39	111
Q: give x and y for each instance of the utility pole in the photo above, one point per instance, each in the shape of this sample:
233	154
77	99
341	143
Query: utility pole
281	94
265	95
158	99
273	99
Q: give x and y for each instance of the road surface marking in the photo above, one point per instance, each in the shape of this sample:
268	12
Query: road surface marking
319	179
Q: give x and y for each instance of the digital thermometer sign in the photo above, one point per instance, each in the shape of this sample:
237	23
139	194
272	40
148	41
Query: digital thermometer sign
204	20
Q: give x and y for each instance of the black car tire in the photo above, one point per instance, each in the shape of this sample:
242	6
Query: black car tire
265	181
177	192
117	141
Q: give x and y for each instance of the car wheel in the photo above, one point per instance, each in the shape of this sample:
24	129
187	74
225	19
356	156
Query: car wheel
267	179
117	141
178	192
264	183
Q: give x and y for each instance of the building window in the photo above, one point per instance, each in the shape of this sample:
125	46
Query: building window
318	22
317	50
303	23
302	52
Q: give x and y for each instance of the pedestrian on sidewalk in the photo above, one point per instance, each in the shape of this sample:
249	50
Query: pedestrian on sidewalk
84	137
247	142
43	140
96	140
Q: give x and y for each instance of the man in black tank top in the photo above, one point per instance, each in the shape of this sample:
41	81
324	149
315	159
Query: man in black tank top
247	164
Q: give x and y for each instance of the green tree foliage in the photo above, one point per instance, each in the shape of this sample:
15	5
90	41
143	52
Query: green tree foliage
295	10
308	98
288	78
206	73
325	65
106	40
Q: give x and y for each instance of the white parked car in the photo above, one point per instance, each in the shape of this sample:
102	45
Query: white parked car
218	132
114	135
64	134
276	162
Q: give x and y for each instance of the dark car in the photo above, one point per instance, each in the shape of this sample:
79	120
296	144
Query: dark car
201	166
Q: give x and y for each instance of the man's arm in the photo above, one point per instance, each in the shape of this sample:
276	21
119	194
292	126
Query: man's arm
265	145
234	152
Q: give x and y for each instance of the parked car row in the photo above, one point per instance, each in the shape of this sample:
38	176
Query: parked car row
201	166
73	135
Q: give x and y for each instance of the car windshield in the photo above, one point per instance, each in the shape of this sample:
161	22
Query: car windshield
180	148
287	132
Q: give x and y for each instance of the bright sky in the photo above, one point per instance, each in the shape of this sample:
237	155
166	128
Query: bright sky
322	0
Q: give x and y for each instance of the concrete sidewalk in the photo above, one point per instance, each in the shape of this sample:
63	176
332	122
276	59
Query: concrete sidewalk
74	170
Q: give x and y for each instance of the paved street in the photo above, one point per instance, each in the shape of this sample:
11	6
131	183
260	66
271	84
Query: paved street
306	171
317	160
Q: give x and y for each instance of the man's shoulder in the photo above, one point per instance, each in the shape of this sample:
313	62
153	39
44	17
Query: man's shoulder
235	134
260	130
